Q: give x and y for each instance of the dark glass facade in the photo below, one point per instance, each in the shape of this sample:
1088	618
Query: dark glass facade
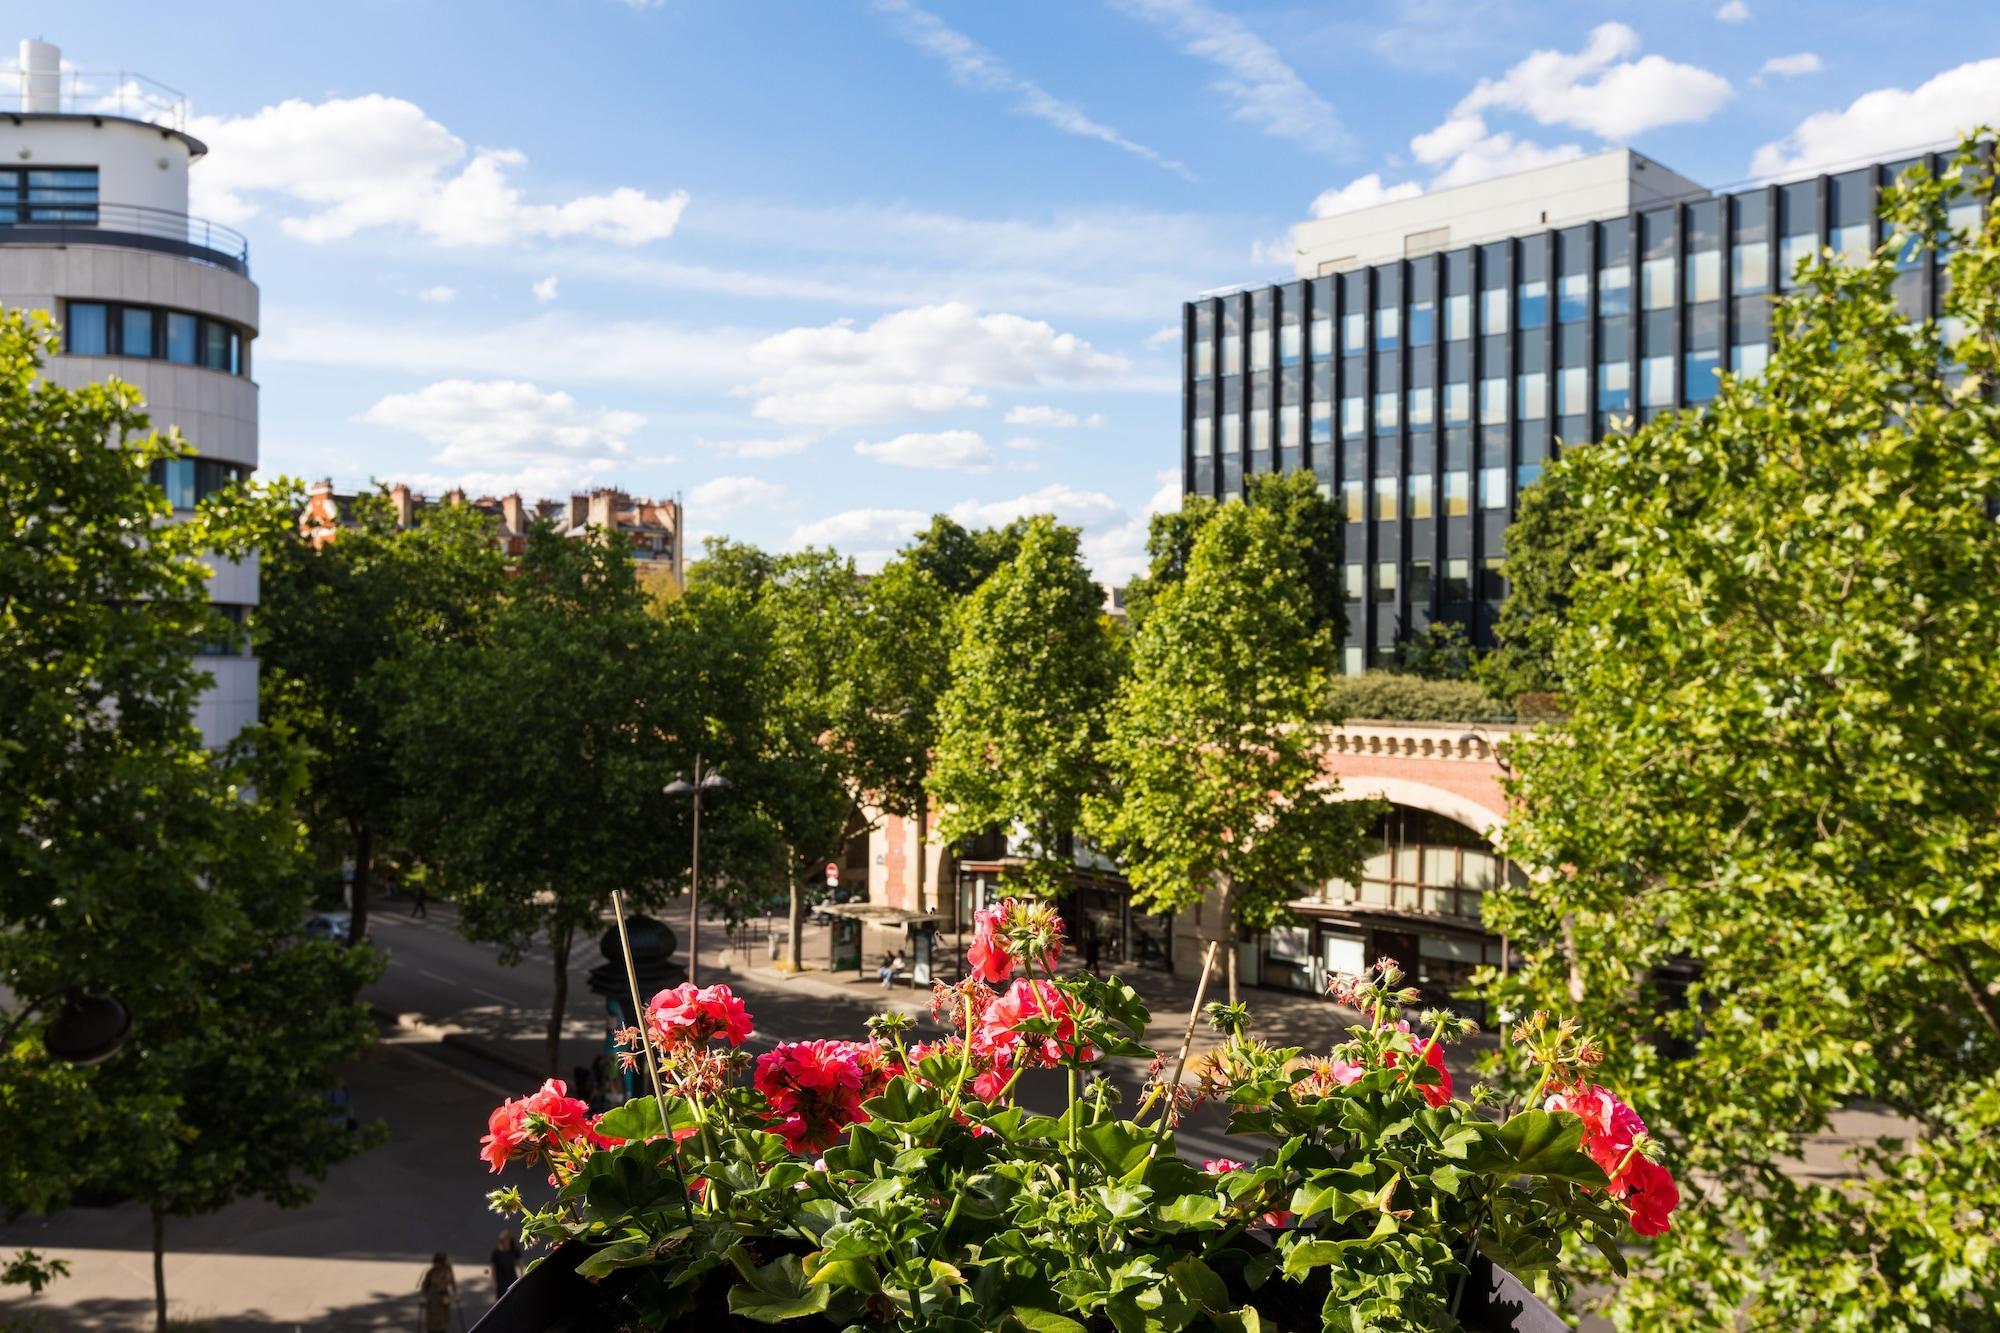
1425	393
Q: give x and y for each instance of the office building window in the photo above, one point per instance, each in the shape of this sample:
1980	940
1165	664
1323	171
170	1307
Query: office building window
1792	252
1354	332
1289	351
1351	501
1322	337
1533	304
1457	404
1747	359
1322	421
1351	660
1260	349
1457	317
1385	413
1704	275
135	332
1232	434
1260	430
1492	583
1457	496
1534	396
189	481
1232	353
1750	268
1420	583
1421	404
183	338
1656	381
1388	329
1493	488
1614	290
1385	499
1572	385
1457	580
1423	324
88	332
1419	491
1656	284
1288	426
1493	401
1701	370
1614	386
1493	310
1204	348
1853	243
1354	578
1353	416
1204	437
1573	300
1527	475
1385	581
48	194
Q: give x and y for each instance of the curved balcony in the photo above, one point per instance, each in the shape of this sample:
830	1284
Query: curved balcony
133	226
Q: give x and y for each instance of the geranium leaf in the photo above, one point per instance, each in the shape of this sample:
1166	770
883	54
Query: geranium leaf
1200	1284
1042	1321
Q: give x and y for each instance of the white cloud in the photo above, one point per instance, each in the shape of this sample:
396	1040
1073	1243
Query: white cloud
914	362
545	288
1041	414
1600	89
373	161
438	295
1260	88
943	451
722	495
1078	508
870	536
1362	192
1025	444
973	66
1464	151
1167	335
1886	122
1790	67
1733	11
1117	553
779	446
509	434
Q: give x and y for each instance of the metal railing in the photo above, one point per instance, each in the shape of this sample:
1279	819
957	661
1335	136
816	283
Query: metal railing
99	92
132	225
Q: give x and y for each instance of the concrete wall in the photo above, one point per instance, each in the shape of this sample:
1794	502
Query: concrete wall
138	164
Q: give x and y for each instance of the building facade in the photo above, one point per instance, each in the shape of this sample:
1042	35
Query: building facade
94	229
1432	354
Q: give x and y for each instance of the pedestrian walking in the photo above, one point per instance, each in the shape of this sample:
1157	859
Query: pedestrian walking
420	900
438	1289
505	1263
1093	949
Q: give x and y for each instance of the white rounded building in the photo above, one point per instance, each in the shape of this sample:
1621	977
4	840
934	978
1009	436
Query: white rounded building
94	229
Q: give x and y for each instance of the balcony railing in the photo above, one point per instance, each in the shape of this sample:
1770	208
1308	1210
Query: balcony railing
134	226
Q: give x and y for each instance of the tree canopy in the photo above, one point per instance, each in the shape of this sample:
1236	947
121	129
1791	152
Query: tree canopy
1770	820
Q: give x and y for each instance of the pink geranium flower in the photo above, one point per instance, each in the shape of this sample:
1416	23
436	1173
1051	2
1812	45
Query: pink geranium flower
815	1090
1611	1129
687	1015
990	955
999	1039
545	1119
1435	1094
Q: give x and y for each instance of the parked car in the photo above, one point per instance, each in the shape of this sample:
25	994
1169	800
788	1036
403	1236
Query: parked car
335	926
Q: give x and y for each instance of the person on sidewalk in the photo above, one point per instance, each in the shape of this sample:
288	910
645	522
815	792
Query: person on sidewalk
420	900
1093	949
892	967
438	1289
505	1263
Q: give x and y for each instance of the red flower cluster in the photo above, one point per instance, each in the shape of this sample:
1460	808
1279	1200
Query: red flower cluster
1610	1131
990	954
816	1088
999	1041
690	1016
1435	1094
521	1130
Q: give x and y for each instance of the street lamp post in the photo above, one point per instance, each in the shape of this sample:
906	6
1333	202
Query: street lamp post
703	782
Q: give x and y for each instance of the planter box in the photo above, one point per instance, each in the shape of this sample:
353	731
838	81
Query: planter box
551	1298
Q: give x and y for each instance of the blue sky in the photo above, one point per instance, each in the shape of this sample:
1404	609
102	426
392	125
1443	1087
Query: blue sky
824	267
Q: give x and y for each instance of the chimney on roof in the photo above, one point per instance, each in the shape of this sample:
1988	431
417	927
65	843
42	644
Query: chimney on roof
406	506
604	508
511	515
41	76
579	509
455	496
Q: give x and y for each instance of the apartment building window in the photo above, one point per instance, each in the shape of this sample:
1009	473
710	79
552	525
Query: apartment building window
1457	494
1493	402
1385	499
1385	413
1419	489
1656	381
1533	304
1534	395
96	328
1614	386
1322	421
1750	268
1572	385
1493	488
1457	404
1420	408
1353	416
1457	317
48	194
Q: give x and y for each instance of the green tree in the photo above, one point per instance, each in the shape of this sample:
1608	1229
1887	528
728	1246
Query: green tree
134	862
1772	807
1021	722
1440	652
1553	540
335	622
1310	519
1217	737
958	558
532	756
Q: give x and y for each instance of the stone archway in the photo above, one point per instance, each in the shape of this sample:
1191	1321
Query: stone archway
1436	800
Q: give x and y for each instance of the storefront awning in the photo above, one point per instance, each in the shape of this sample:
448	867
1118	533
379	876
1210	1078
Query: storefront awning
877	914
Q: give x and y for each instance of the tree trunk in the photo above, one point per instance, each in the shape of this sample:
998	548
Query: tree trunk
1227	912
559	940
364	860
159	1266
923	836
796	950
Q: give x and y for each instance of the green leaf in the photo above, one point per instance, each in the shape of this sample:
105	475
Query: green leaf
1537	1143
1119	1145
628	1253
1043	1321
776	1291
1200	1284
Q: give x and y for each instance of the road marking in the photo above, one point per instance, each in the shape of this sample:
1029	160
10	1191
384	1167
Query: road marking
449	981
491	996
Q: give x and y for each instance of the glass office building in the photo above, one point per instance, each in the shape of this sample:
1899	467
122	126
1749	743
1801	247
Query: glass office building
1427	390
